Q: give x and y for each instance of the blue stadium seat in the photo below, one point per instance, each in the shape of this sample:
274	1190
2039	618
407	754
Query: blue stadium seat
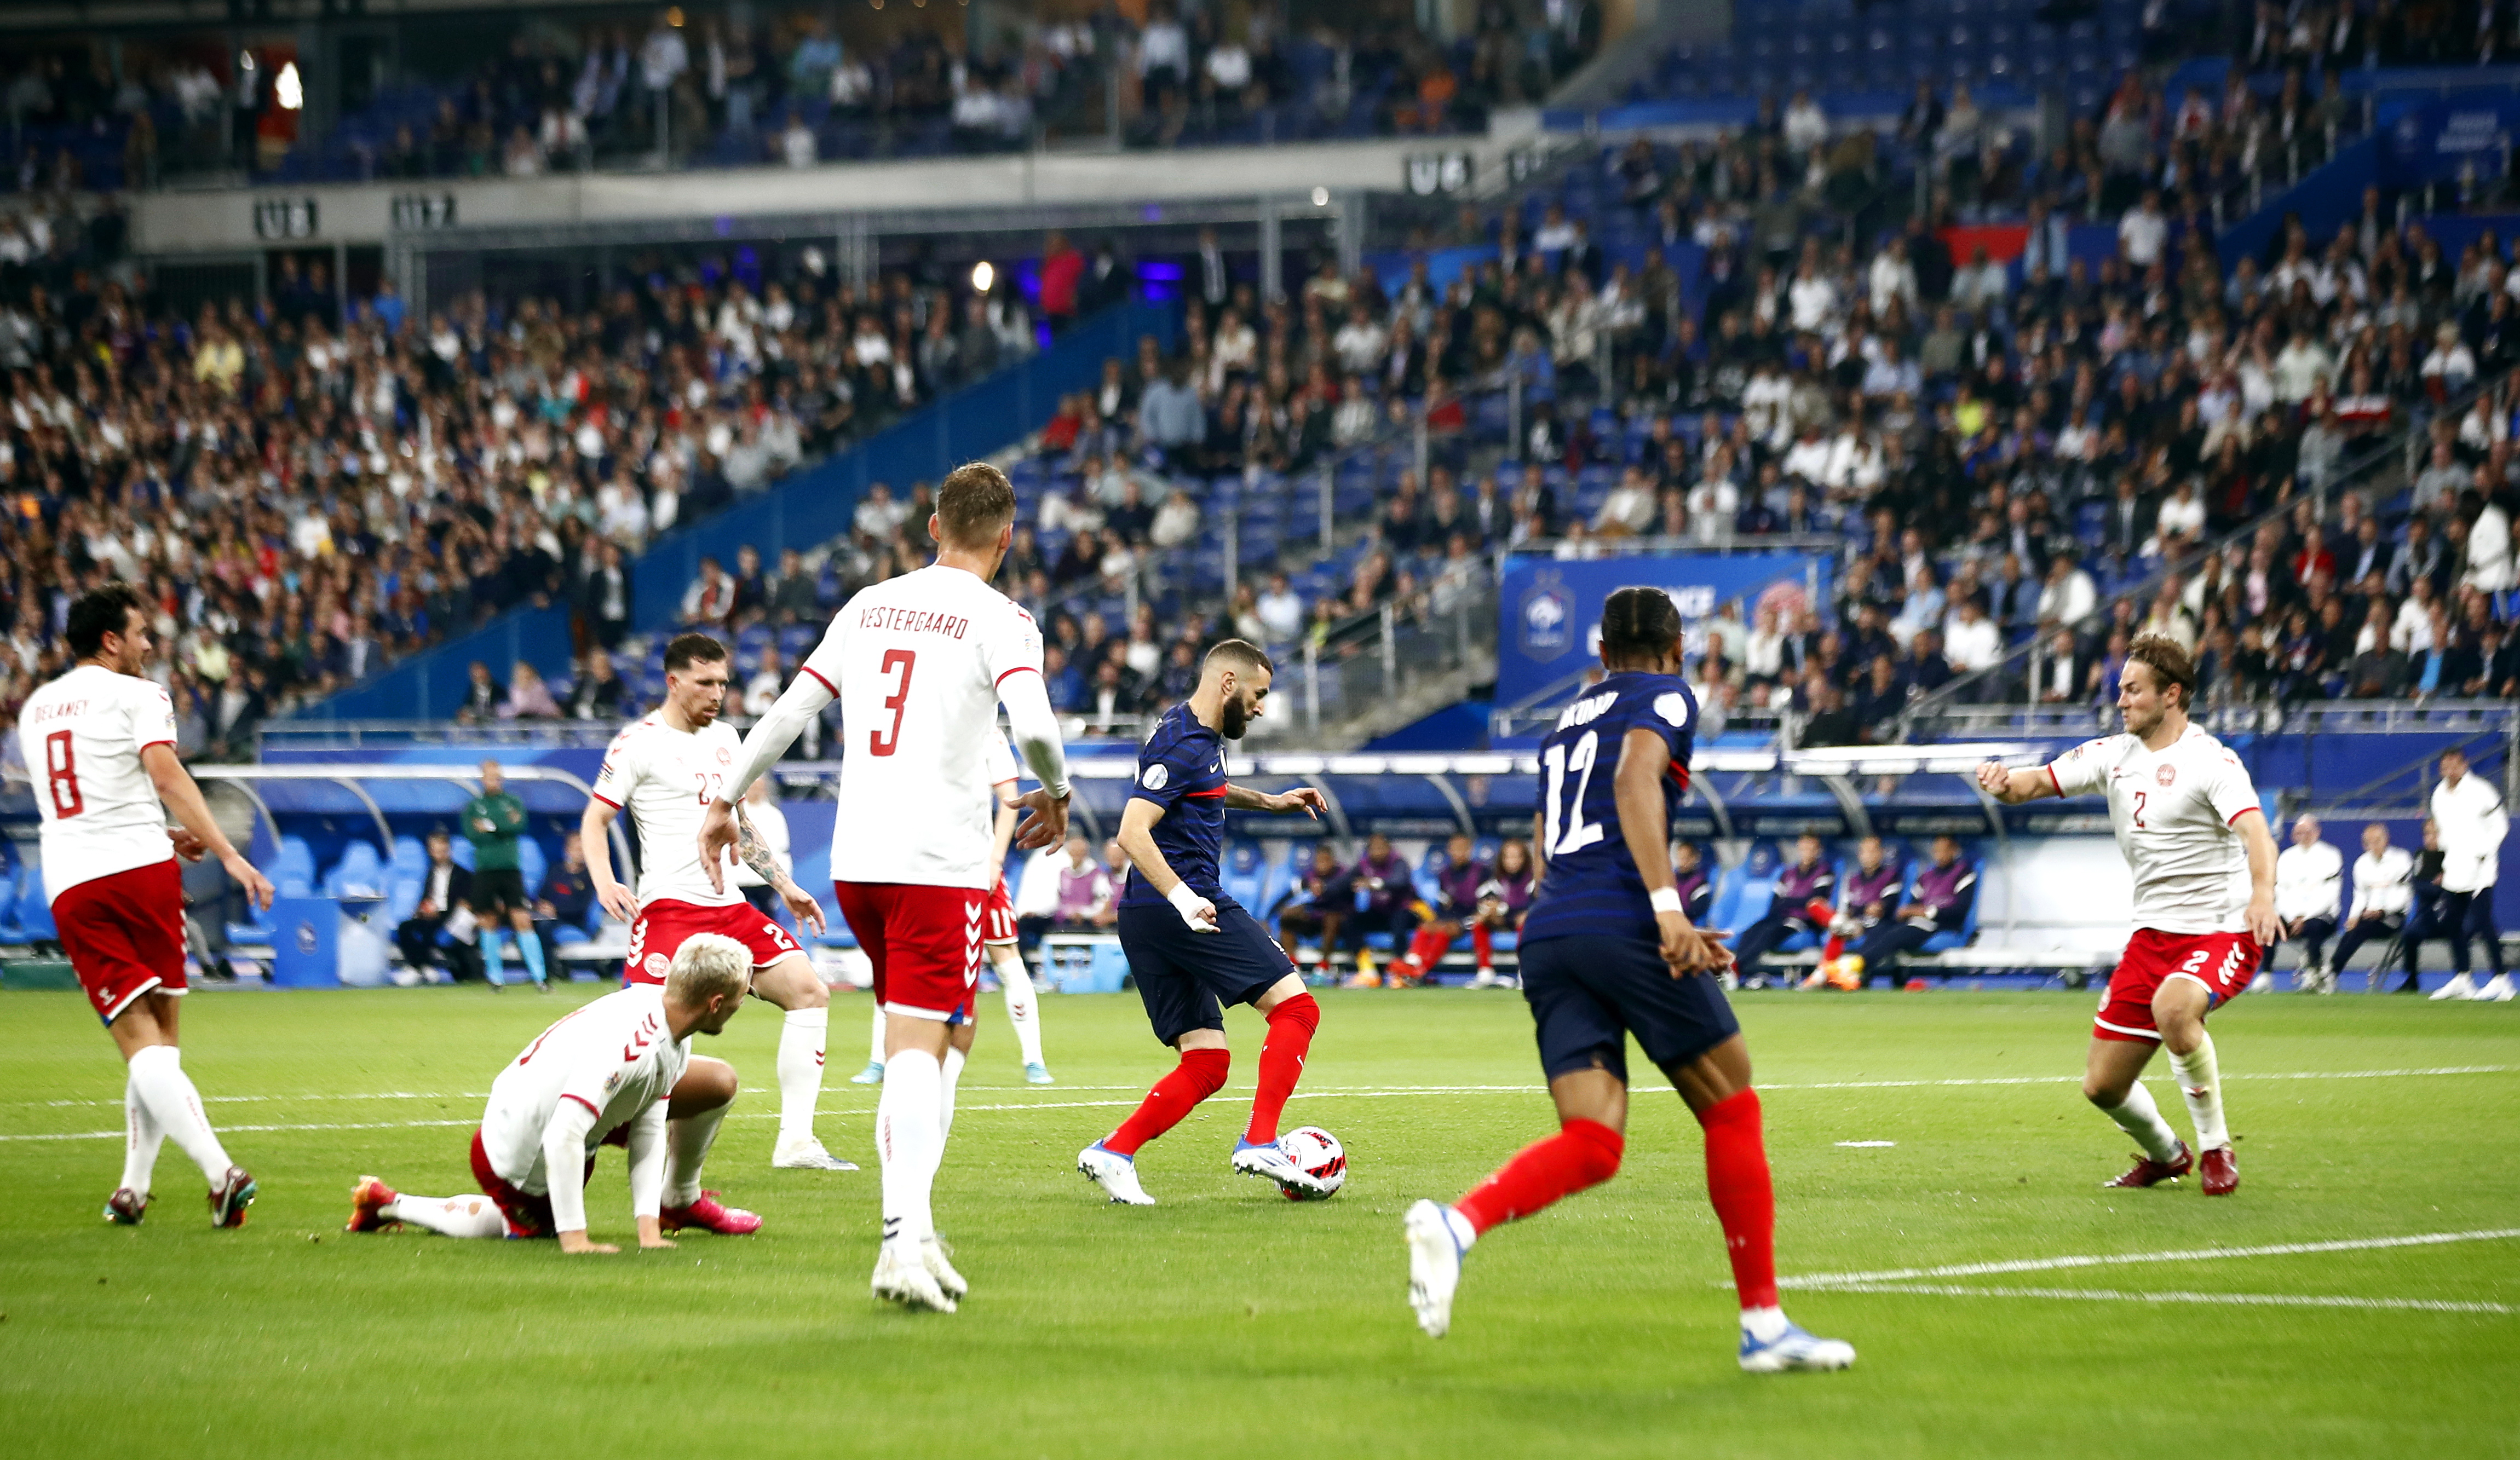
359	873
531	864
296	861
461	856
1244	877
410	856
34	914
402	895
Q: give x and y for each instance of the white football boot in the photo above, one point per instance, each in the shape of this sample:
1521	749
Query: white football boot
1267	1159
2460	986
933	1255
1117	1174
1435	1248
2498	990
901	1277
1795	1350
808	1154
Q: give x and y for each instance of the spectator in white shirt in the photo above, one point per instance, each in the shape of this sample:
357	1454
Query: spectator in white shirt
2309	876
1970	640
1281	610
2383	891
2144	231
1629	508
1892	279
2473	822
1805	124
2451	362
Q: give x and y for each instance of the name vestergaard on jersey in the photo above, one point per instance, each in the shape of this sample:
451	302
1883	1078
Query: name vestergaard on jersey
912	620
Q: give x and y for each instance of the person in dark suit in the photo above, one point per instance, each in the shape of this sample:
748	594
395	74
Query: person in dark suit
566	896
2367	553
1204	275
444	887
605	599
2130	518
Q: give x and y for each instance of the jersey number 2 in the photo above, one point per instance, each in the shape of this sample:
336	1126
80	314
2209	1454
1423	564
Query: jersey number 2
886	741
1558	759
61	772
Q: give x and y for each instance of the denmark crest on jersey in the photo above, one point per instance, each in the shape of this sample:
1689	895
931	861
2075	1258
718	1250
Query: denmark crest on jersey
2164	774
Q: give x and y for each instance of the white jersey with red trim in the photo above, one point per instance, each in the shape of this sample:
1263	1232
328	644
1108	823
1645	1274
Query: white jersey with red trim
2171	811
614	1057
915	663
83	735
665	779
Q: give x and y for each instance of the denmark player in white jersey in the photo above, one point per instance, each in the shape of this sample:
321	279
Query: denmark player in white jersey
920	665
664	769
2187	819
998	936
101	743
618	1071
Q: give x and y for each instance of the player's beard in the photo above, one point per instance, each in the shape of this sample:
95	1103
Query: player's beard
1232	719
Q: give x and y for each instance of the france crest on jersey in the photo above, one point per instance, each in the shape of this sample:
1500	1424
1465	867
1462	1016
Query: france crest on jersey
1589	883
1181	768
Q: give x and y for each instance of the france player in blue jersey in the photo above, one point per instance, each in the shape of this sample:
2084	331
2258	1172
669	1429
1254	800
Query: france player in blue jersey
1192	948
1608	951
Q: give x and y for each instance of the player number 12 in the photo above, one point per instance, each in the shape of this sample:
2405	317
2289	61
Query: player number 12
1558	759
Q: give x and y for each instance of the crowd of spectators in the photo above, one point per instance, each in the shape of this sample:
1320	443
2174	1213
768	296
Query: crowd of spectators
307	498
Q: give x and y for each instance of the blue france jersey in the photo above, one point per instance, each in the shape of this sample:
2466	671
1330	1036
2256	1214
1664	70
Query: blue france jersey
1588	882
1181	768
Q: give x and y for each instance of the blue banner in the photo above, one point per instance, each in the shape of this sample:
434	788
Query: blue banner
2444	140
1552	609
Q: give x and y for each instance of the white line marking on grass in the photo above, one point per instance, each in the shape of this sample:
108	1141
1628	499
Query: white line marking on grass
1867	1145
1832	1280
2243	1299
1421	1089
1334	1093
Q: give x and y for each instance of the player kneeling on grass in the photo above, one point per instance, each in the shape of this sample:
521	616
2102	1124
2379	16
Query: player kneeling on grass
1608	952
620	1071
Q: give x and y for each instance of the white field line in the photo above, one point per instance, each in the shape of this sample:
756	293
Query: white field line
1333	1093
1829	1281
1421	1089
2242	1300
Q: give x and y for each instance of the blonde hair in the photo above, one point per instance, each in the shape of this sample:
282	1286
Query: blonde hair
708	966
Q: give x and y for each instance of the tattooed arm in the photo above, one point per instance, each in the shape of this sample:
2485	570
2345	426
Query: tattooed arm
754	853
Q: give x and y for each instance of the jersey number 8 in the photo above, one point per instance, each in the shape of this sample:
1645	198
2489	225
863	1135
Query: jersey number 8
60	774
1558	760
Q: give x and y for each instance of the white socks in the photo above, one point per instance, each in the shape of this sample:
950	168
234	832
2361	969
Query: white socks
1023	1011
2200	1081
687	1145
910	1139
800	1071
874	1041
157	1076
945	1087
2139	1117
141	1138
448	1216
1765	1325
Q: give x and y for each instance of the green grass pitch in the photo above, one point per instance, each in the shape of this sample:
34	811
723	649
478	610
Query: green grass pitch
1227	1321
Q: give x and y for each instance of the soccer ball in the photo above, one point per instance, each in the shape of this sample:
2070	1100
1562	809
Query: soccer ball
1316	1153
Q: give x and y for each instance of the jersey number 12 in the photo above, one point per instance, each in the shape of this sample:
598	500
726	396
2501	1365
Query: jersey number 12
1558	759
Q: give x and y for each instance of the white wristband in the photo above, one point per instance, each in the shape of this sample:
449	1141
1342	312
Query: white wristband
1667	899
1186	901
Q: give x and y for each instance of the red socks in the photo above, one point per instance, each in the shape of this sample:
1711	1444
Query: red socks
1745	1203
1582	1154
1483	944
1200	1075
1282	1063
1427	949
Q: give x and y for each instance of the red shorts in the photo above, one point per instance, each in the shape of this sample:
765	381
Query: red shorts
124	933
528	1215
2221	962
1002	915
924	943
663	924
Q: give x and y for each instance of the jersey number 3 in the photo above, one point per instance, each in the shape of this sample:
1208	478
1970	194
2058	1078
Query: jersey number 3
1558	759
886	741
61	773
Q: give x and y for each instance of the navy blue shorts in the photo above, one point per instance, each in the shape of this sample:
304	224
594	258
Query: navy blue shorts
1588	992
1186	977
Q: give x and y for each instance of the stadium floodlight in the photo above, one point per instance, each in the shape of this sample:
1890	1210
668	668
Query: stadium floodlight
286	89
1321	197
982	275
